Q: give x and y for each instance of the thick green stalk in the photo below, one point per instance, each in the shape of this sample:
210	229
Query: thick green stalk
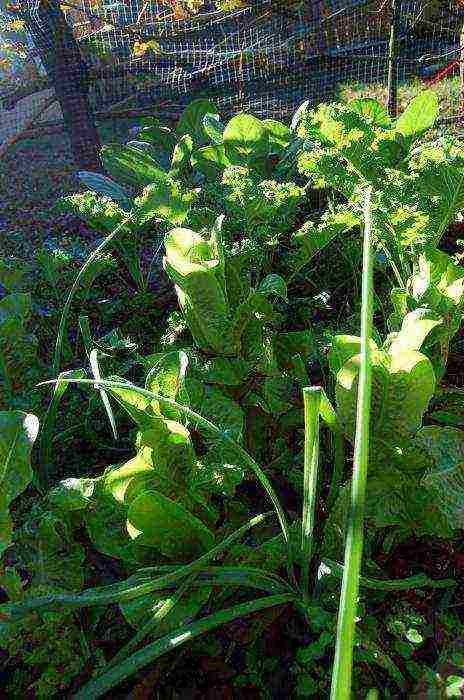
343	665
312	401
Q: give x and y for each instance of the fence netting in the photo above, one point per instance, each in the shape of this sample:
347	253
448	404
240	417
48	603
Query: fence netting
264	56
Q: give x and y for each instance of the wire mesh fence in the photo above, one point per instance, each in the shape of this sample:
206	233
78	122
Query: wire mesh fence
264	56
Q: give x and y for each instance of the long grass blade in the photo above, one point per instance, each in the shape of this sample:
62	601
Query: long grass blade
100	686
312	401
234	576
205	423
402	584
129	589
48	425
93	359
67	306
343	664
150	627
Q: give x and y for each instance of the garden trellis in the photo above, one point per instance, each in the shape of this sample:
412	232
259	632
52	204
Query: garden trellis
132	57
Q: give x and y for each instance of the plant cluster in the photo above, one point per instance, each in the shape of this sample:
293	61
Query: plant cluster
229	386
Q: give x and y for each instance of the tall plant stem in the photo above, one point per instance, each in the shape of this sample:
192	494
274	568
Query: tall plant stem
312	402
342	671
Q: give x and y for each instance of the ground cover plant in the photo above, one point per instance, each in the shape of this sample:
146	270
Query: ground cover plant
249	394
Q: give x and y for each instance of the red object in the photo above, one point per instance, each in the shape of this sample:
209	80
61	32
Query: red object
443	73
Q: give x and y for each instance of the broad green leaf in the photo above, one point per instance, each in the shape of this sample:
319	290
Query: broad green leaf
137	406
443	448
191	120
372	109
279	135
273	284
164	200
288	346
217	406
196	266
46	548
164	459
131	165
18	432
181	154
315	237
278	394
402	386
161	138
246	140
210	160
156	521
218	472
167	377
213	127
225	371
415	328
420	115
72	494
108	188
344	347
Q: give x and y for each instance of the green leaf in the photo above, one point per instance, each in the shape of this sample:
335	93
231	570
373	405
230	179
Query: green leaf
280	135
156	521
141	611
165	200
402	386
415	328
47	550
18	432
419	116
213	128
181	155
273	284
210	160
191	121
246	140
313	238
442	449
108	188
131	165
373	110
196	266
342	348
167	377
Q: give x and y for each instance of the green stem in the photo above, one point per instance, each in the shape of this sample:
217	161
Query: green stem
343	665
311	400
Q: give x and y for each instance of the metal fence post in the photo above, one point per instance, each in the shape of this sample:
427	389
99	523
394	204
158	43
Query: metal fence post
393	62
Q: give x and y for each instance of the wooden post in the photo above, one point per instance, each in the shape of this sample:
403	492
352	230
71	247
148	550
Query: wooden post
68	74
392	63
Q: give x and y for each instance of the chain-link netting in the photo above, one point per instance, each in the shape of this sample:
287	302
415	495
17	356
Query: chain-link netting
266	56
